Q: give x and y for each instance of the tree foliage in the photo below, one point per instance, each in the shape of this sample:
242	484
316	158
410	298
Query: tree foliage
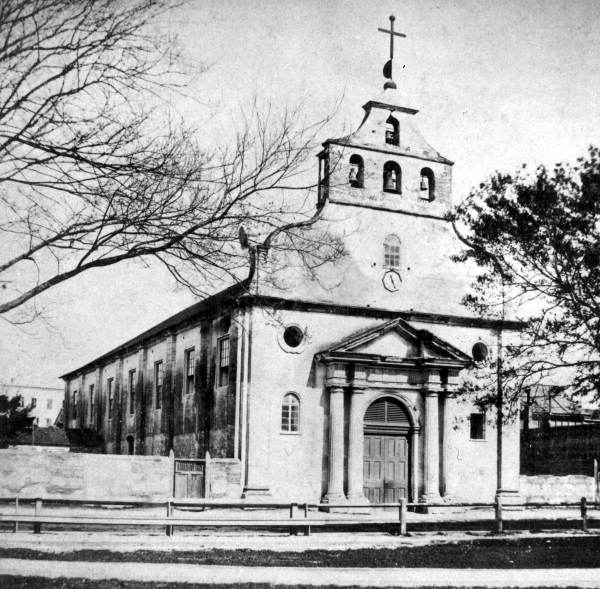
96	168
14	416
536	239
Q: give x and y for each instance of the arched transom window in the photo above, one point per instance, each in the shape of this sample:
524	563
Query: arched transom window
386	413
391	252
290	414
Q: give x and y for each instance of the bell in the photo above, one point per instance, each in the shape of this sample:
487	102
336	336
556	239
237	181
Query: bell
353	175
424	183
390	181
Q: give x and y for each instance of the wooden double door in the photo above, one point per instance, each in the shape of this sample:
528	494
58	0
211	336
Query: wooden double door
385	467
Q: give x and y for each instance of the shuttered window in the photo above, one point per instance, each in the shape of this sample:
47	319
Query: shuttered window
387	411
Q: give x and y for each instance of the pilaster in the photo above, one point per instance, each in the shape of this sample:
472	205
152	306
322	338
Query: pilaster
431	490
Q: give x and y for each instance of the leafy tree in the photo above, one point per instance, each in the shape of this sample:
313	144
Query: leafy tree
96	170
535	237
14	416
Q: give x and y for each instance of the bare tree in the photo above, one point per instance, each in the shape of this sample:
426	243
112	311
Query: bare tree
93	170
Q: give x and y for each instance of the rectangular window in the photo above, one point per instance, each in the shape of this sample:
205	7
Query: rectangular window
290	414
158	383
91	395
73	401
224	361
49	404
477	426
33	402
111	396
48	422
190	370
132	391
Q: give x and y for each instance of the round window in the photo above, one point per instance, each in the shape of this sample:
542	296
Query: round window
293	336
479	352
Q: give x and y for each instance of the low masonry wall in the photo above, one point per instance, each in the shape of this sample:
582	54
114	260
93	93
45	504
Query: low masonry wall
225	478
40	472
30	471
551	489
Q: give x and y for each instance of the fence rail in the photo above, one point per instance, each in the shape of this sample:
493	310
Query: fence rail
298	513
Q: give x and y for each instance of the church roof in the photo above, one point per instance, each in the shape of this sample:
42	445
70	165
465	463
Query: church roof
409	343
219	299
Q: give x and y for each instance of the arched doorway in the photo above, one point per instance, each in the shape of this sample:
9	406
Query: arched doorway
386	451
130	445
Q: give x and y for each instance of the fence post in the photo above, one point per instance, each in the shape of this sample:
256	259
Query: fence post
584	523
499	525
293	530
169	529
37	526
402	516
307	528
16	525
596	483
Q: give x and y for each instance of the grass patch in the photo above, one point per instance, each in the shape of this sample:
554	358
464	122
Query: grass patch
561	552
8	582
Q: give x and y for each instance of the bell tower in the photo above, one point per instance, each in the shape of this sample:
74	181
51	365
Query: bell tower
386	163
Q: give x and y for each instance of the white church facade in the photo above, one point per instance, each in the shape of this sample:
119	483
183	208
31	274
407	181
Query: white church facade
341	389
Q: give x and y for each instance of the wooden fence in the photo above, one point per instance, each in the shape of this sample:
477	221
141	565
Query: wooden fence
300	517
561	450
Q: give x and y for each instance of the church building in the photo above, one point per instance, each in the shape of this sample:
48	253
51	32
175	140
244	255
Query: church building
343	389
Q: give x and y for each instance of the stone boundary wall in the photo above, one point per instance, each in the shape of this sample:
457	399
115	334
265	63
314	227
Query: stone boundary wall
30	471
549	488
225	478
41	472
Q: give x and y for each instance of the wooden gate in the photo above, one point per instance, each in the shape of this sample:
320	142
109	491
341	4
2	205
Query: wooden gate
189	478
386	452
385	468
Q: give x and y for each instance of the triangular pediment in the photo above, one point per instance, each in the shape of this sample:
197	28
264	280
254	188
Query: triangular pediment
391	343
397	339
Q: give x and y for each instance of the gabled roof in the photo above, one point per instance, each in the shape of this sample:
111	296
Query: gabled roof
410	344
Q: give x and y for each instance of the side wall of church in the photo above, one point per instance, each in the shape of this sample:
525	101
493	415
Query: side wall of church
295	465
189	416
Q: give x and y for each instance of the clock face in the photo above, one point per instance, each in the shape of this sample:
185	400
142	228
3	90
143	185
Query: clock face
391	280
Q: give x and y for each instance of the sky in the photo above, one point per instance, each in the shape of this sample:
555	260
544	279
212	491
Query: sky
497	84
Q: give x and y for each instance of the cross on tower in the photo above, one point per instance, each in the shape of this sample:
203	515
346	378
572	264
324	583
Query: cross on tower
387	68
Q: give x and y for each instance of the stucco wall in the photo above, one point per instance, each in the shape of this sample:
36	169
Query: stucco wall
551	489
295	466
39	472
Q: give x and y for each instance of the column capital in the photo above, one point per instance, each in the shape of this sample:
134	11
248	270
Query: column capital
336	375
335	389
431	392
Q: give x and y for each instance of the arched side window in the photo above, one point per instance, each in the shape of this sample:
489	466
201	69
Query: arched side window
356	176
392	131
428	183
290	414
392	177
391	252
